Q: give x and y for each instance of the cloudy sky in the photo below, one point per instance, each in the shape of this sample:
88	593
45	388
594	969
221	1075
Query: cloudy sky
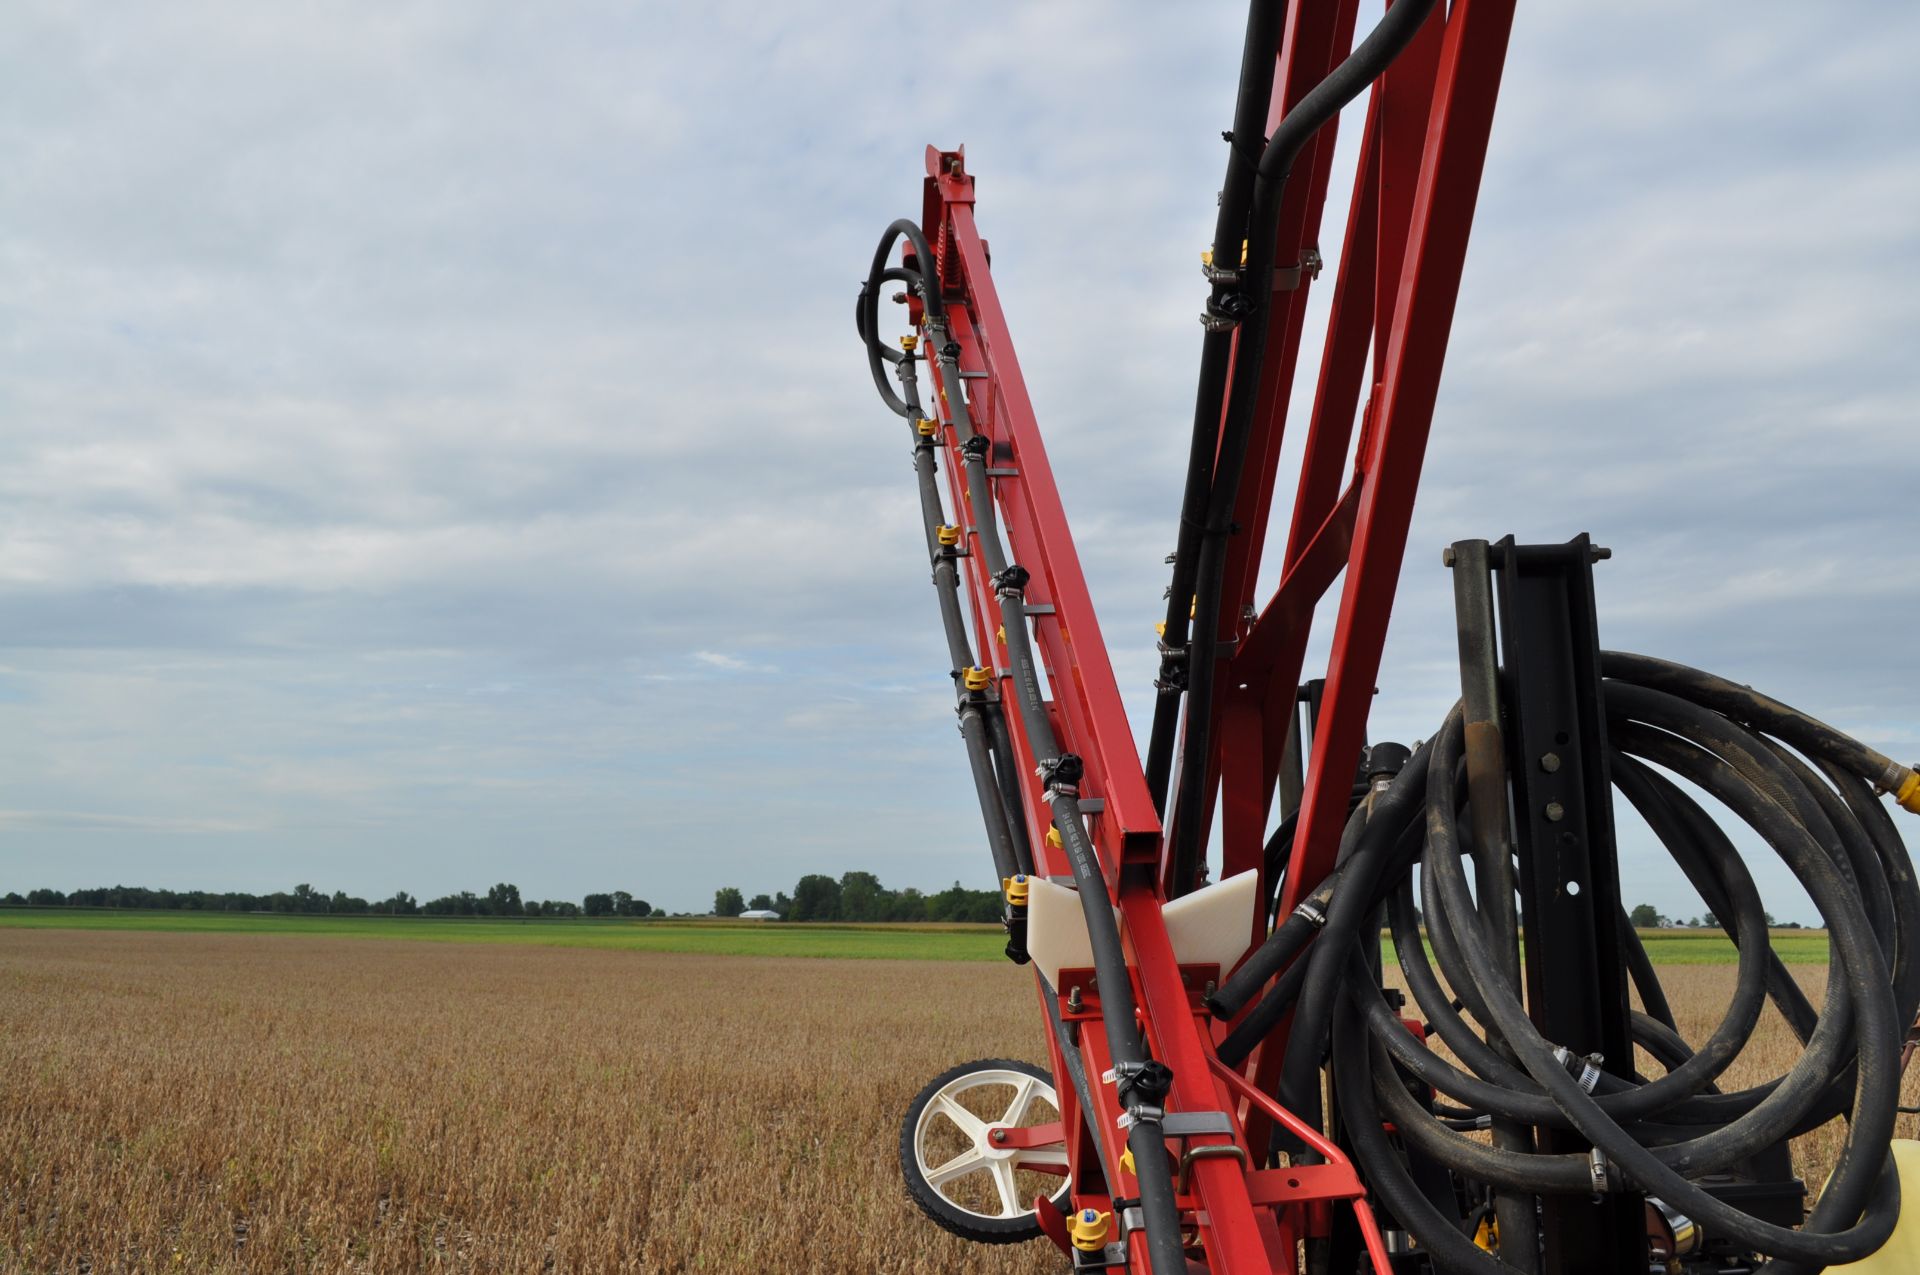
433	448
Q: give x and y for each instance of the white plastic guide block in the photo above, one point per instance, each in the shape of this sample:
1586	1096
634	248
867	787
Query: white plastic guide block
1213	926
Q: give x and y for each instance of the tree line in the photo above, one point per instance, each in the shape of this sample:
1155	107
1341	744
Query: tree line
502	900
859	897
854	896
1647	917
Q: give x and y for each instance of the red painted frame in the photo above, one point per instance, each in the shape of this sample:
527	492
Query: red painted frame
1422	151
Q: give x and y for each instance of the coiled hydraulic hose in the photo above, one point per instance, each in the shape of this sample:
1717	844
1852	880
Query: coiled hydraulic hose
1141	1081
1807	790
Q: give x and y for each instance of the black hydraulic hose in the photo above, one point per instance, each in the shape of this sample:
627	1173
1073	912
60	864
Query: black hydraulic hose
1236	194
1252	308
1809	793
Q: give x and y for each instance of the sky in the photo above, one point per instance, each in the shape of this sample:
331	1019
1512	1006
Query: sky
434	449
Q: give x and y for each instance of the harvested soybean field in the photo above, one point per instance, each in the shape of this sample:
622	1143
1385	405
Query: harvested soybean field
272	1102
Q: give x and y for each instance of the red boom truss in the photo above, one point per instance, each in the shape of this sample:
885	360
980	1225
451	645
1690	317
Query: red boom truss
1421	154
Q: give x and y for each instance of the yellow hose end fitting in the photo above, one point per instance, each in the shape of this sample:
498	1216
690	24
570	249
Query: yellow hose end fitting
925	427
976	679
1909	794
909	343
1053	838
1161	628
1088	1229
947	535
1126	1161
1016	888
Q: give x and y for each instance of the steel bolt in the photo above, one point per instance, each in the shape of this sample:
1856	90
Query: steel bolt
1550	762
1555	812
999	1135
1446	556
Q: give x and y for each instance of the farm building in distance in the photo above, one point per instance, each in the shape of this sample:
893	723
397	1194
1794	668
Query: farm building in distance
759	914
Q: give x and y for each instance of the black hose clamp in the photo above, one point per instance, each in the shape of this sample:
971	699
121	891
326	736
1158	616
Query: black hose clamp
975	447
1142	1089
1061	776
1011	583
1173	668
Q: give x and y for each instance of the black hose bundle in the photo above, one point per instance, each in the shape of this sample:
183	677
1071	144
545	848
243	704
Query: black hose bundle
1807	790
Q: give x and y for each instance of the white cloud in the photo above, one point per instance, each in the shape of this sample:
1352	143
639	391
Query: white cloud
426	429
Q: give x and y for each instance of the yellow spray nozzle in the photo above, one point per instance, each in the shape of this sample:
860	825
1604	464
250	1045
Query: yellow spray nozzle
1126	1161
909	342
947	535
925	427
1088	1229
1053	838
1016	888
976	679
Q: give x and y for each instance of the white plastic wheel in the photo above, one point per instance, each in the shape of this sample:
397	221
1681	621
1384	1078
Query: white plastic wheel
990	1207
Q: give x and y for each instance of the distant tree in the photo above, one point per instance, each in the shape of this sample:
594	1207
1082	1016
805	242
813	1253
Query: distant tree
597	905
782	904
555	907
1644	916
14	899
760	903
504	900
1708	921
727	901
401	904
46	898
816	898
1768	917
861	897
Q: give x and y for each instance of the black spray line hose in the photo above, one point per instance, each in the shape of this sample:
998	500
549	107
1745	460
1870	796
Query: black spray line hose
1236	193
1815	806
974	705
1252	307
866	313
1061	774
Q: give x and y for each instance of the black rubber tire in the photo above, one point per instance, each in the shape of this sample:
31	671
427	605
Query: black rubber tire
944	1212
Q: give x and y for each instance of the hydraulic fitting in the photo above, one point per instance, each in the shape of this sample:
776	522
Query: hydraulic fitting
1908	794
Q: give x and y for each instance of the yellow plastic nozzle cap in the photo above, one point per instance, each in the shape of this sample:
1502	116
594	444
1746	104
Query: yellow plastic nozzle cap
1126	1161
909	342
1089	1228
925	426
947	535
1907	796
976	679
1053	838
1016	889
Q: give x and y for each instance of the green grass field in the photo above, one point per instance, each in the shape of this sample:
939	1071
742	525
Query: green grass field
738	938
713	938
